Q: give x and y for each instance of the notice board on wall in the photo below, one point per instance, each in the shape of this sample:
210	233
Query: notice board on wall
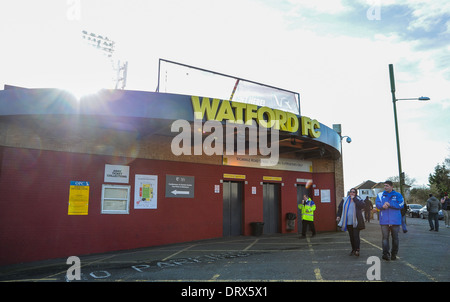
78	198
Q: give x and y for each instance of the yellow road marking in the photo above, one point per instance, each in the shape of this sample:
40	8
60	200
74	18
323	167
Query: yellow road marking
180	251
406	262
252	244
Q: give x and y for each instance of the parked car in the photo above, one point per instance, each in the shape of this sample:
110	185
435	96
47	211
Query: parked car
423	213
413	210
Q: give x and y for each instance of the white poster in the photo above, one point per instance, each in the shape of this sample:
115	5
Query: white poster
145	191
325	196
117	173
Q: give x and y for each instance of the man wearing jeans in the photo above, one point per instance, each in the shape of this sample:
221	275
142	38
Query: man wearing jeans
390	202
433	207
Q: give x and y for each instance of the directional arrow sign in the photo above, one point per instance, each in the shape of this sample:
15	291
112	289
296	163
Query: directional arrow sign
175	192
180	186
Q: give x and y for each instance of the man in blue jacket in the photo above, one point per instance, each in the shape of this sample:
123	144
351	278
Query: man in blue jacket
390	203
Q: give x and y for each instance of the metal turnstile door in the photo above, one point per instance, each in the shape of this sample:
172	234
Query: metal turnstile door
271	208
232	208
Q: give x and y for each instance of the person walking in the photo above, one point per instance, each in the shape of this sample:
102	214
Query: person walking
389	202
433	207
403	211
368	208
445	203
307	208
350	218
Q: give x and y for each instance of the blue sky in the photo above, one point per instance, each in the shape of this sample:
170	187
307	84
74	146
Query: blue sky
330	52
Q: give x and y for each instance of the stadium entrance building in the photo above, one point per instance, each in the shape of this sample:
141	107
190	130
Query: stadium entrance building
127	169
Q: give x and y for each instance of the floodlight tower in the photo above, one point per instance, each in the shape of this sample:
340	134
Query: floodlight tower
106	47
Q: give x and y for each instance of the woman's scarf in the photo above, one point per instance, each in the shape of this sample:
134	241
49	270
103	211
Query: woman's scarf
343	222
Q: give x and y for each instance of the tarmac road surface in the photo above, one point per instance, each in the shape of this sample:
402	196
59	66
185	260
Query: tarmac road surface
259	261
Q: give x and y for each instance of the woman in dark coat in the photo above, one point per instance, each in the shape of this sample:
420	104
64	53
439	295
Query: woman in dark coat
350	218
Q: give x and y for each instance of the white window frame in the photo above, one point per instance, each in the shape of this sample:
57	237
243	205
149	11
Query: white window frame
124	211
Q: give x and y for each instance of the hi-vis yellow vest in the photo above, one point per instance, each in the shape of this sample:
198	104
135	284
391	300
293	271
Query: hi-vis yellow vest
308	210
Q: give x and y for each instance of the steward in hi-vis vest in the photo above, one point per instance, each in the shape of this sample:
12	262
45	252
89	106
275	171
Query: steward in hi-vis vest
307	207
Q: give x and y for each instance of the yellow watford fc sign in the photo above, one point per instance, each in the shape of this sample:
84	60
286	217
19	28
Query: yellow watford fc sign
241	113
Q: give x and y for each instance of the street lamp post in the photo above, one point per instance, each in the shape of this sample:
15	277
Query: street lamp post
394	100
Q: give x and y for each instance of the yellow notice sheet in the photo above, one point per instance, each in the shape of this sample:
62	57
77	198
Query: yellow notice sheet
78	198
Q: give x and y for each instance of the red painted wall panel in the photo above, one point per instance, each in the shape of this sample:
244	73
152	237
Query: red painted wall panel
325	214
34	192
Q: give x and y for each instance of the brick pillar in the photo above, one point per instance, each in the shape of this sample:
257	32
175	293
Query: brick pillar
339	172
